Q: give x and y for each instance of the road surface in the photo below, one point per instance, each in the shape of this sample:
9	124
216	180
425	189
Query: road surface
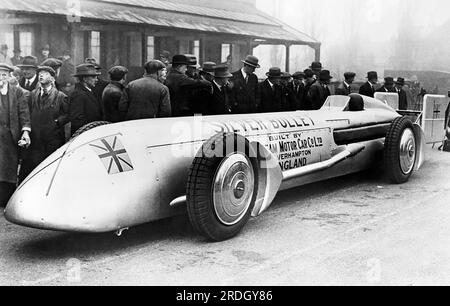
355	230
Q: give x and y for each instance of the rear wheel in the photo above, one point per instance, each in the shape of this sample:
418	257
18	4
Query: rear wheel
400	151
221	188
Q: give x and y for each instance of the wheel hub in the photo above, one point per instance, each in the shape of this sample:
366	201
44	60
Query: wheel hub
407	151
233	189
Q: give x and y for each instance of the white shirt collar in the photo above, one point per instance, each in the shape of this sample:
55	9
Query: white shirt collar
243	73
87	87
31	80
218	86
4	90
346	84
270	83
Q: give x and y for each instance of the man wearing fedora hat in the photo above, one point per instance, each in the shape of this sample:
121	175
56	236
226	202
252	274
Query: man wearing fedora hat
245	94
220	102
402	96
17	59
147	97
181	87
85	107
203	96
15	129
271	91
369	88
388	85
29	67
319	91
101	83
49	109
345	89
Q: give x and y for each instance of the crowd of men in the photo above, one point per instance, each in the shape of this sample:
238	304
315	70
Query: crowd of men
40	98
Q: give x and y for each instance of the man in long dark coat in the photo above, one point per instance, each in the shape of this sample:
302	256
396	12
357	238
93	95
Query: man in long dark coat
15	129
85	108
245	94
113	93
49	114
221	103
319	92
402	97
271	92
344	89
181	87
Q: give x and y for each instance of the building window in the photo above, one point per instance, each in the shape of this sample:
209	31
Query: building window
195	48
150	48
226	51
26	43
94	45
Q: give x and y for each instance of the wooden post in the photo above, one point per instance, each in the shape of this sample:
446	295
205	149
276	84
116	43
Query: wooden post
288	56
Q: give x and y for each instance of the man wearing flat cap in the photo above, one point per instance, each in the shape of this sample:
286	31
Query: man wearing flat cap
49	115
345	88
85	108
221	99
147	97
271	91
113	93
245	93
388	85
55	64
15	129
369	88
402	96
29	67
164	57
181	87
319	91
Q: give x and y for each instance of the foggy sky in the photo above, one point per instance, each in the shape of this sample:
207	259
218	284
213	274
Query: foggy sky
361	35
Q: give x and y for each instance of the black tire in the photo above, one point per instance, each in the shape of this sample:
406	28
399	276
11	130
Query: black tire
88	127
200	194
396	171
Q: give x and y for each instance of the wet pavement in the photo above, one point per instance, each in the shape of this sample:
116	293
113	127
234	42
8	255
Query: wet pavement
356	230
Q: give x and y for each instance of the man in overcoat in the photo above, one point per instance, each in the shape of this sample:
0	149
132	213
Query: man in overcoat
49	114
15	129
245	94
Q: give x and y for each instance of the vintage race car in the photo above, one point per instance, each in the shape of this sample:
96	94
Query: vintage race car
222	170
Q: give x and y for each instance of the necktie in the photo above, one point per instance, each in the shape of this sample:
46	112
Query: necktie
28	84
246	79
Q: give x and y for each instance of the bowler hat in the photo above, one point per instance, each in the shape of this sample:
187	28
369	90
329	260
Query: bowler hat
208	67
117	72
298	75
93	61
274	72
400	81
48	69
192	60
29	62
388	81
349	75
86	70
6	67
52	62
316	65
222	71
372	75
252	61
325	75
180	60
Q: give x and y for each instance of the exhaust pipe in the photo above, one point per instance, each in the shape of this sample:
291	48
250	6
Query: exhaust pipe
351	150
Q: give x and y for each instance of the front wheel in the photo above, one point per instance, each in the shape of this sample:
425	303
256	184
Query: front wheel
222	188
400	151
